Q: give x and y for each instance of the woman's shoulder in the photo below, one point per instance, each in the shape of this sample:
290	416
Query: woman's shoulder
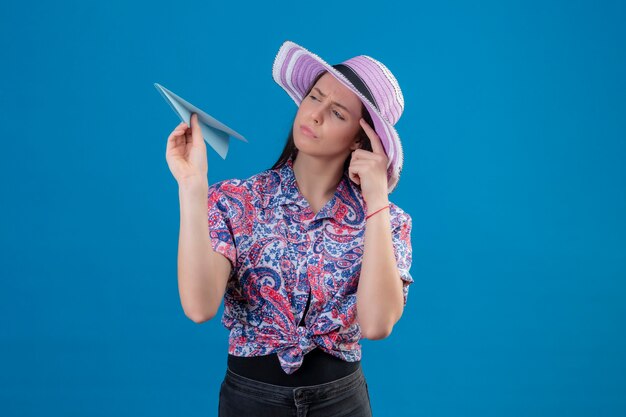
398	215
249	188
226	186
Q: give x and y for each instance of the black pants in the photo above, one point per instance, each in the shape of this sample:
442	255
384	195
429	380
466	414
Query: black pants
244	397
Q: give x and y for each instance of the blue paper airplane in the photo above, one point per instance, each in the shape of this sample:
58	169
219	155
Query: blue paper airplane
214	132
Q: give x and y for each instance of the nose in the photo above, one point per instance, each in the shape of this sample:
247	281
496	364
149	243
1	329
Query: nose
316	116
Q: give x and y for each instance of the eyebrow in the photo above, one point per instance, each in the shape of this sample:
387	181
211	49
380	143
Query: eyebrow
334	102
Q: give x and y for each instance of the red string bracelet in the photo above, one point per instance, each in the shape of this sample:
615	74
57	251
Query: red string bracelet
370	215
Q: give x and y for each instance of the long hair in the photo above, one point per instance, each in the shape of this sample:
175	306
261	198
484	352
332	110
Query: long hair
290	149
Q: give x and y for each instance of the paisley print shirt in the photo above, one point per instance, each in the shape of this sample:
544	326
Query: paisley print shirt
281	250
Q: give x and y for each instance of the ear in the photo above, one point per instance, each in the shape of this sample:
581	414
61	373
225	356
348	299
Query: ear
357	143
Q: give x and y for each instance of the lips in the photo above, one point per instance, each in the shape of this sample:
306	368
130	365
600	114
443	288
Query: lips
307	131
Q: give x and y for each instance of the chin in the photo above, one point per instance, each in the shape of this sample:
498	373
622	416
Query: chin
304	142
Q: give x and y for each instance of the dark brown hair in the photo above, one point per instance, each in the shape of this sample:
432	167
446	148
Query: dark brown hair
290	148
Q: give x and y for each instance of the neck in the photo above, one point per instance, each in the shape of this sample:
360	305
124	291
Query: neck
317	178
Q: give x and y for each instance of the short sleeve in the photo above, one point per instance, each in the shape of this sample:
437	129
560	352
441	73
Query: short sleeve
401	237
220	228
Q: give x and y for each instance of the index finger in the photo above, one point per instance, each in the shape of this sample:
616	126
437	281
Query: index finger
377	146
196	132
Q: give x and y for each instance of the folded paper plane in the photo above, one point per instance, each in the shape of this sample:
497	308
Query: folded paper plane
214	132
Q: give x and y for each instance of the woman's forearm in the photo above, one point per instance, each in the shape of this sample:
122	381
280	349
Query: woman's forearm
197	283
379	294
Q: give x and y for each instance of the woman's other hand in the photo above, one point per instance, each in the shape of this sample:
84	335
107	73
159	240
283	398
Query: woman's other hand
186	153
369	169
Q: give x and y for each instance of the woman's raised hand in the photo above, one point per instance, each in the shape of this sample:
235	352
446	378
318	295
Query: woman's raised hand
186	153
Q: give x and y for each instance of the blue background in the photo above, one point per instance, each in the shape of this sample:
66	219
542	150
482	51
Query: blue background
515	142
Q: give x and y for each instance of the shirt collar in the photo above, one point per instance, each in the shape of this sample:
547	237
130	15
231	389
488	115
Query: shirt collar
346	206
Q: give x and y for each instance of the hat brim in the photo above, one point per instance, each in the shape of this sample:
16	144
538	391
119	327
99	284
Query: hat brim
295	68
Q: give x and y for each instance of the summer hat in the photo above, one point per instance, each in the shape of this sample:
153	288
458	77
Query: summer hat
295	68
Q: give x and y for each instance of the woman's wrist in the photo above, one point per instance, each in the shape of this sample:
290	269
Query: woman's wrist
372	213
374	202
193	185
375	205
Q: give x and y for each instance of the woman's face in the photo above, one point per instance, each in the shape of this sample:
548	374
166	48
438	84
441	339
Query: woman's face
332	112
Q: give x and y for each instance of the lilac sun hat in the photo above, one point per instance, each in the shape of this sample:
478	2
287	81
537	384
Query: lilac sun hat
295	68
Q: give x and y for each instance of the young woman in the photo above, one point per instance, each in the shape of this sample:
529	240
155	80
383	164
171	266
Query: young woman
298	249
